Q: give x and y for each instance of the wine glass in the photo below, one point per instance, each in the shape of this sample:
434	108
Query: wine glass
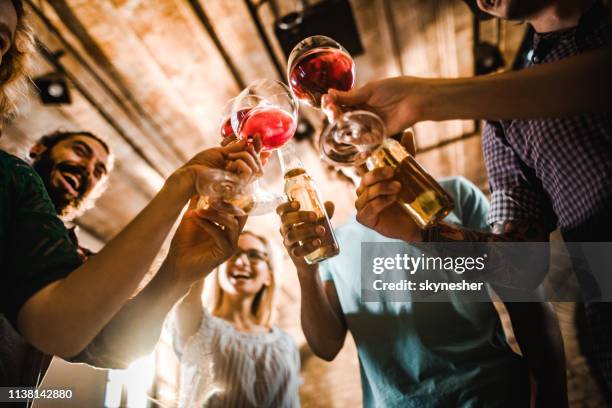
266	108
318	64
221	189
228	192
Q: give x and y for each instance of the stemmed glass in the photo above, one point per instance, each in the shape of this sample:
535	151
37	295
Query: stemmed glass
267	109
318	64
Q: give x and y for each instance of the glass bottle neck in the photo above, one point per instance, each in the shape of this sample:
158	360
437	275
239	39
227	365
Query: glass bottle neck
288	158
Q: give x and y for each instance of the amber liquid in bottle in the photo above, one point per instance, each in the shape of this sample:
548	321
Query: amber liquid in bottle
421	196
301	188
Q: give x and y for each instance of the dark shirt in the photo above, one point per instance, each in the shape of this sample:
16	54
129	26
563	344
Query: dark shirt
35	250
557	171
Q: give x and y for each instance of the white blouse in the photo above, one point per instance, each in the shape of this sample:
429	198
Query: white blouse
223	367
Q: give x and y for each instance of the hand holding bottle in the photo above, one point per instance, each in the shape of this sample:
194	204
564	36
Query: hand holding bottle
302	233
377	202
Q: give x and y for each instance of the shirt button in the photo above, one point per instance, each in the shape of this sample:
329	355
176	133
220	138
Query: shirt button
535	59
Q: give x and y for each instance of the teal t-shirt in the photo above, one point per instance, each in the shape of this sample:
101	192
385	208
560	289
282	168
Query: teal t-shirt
411	354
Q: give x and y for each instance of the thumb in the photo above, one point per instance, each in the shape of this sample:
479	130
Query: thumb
353	97
409	141
194	202
330	208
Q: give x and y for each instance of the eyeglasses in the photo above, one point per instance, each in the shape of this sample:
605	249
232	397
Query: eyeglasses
253	255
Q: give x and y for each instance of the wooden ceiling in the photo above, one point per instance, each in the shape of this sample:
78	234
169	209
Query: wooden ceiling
151	78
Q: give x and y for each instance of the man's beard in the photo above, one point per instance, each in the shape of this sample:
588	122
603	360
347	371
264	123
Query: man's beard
65	203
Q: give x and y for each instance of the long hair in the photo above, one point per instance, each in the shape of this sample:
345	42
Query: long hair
15	65
263	305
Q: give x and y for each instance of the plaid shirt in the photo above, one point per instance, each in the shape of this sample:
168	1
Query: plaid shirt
557	172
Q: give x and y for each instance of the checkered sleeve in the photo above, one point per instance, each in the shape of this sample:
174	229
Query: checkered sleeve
516	192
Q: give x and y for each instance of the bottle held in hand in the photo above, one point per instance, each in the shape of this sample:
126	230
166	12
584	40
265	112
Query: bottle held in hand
421	196
300	187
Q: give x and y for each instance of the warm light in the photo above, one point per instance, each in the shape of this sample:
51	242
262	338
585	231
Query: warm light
136	379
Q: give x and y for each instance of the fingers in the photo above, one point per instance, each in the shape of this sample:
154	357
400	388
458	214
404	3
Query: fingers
361	169
374	191
303	233
228	139
193	202
354	97
329	208
223	228
409	141
245	163
305	249
303	238
257	143
331	110
369	214
377	191
375	176
295	217
237	146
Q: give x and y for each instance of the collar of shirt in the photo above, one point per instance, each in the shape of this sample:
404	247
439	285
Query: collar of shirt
543	43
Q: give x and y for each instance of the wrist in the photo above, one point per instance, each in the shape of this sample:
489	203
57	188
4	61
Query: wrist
181	184
308	272
425	96
171	280
442	99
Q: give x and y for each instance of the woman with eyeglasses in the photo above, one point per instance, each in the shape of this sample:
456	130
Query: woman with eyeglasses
230	355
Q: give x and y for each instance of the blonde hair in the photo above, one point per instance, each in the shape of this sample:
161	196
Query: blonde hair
264	303
14	67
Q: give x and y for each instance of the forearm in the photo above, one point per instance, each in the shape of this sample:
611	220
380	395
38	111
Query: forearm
538	334
513	266
564	88
323	328
65	316
189	314
135	329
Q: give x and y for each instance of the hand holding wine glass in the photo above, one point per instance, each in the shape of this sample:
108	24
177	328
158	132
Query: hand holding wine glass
263	115
400	102
214	159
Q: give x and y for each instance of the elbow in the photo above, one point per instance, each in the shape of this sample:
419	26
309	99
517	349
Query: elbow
327	352
329	357
56	344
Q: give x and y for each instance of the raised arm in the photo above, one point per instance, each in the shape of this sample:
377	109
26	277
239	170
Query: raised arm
321	315
204	240
188	315
64	316
571	86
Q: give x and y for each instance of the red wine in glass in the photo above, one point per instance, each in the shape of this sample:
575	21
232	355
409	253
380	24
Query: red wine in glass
226	127
275	126
318	71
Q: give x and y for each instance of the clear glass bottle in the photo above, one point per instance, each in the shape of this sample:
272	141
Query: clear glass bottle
300	187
